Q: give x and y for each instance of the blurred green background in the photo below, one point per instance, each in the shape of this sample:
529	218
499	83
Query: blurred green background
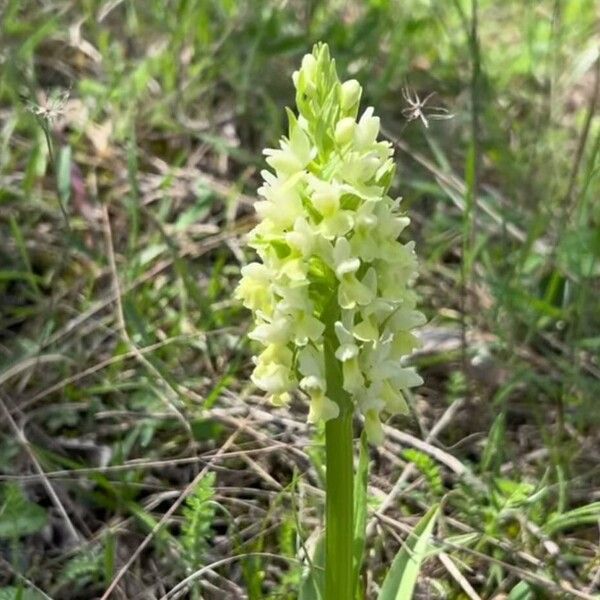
130	152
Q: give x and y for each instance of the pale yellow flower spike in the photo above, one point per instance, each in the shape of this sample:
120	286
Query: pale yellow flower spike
328	245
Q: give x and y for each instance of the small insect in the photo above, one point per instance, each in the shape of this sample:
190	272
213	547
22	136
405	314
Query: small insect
48	106
416	108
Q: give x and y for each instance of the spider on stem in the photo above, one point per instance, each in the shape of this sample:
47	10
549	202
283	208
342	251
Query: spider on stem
416	108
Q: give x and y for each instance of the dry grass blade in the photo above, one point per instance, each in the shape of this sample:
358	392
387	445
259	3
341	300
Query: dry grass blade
75	537
170	402
466	587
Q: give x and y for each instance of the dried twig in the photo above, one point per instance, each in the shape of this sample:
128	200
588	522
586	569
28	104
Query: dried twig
75	537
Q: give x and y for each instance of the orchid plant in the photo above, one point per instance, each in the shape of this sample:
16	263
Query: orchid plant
332	295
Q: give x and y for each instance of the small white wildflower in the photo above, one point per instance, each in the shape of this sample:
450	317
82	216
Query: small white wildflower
48	106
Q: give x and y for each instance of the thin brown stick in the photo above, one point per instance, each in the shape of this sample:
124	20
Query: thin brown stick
47	485
28	363
182	585
145	464
101	365
455	573
9	568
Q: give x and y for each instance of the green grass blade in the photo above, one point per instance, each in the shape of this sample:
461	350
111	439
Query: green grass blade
521	591
494	447
360	509
312	586
401	579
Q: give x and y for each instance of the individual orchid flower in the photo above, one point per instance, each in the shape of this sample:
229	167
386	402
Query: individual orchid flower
371	404
351	291
325	198
273	372
254	287
295	153
347	352
311	365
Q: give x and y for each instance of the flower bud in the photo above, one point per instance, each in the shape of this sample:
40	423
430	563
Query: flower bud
344	131
350	95
309	65
304	80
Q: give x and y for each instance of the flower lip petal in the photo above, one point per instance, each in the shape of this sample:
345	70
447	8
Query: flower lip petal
322	409
366	331
353	377
374	428
312	383
407	378
275	332
350	265
343	335
346	352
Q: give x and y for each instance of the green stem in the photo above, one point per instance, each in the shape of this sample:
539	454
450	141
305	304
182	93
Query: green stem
339	505
339	509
